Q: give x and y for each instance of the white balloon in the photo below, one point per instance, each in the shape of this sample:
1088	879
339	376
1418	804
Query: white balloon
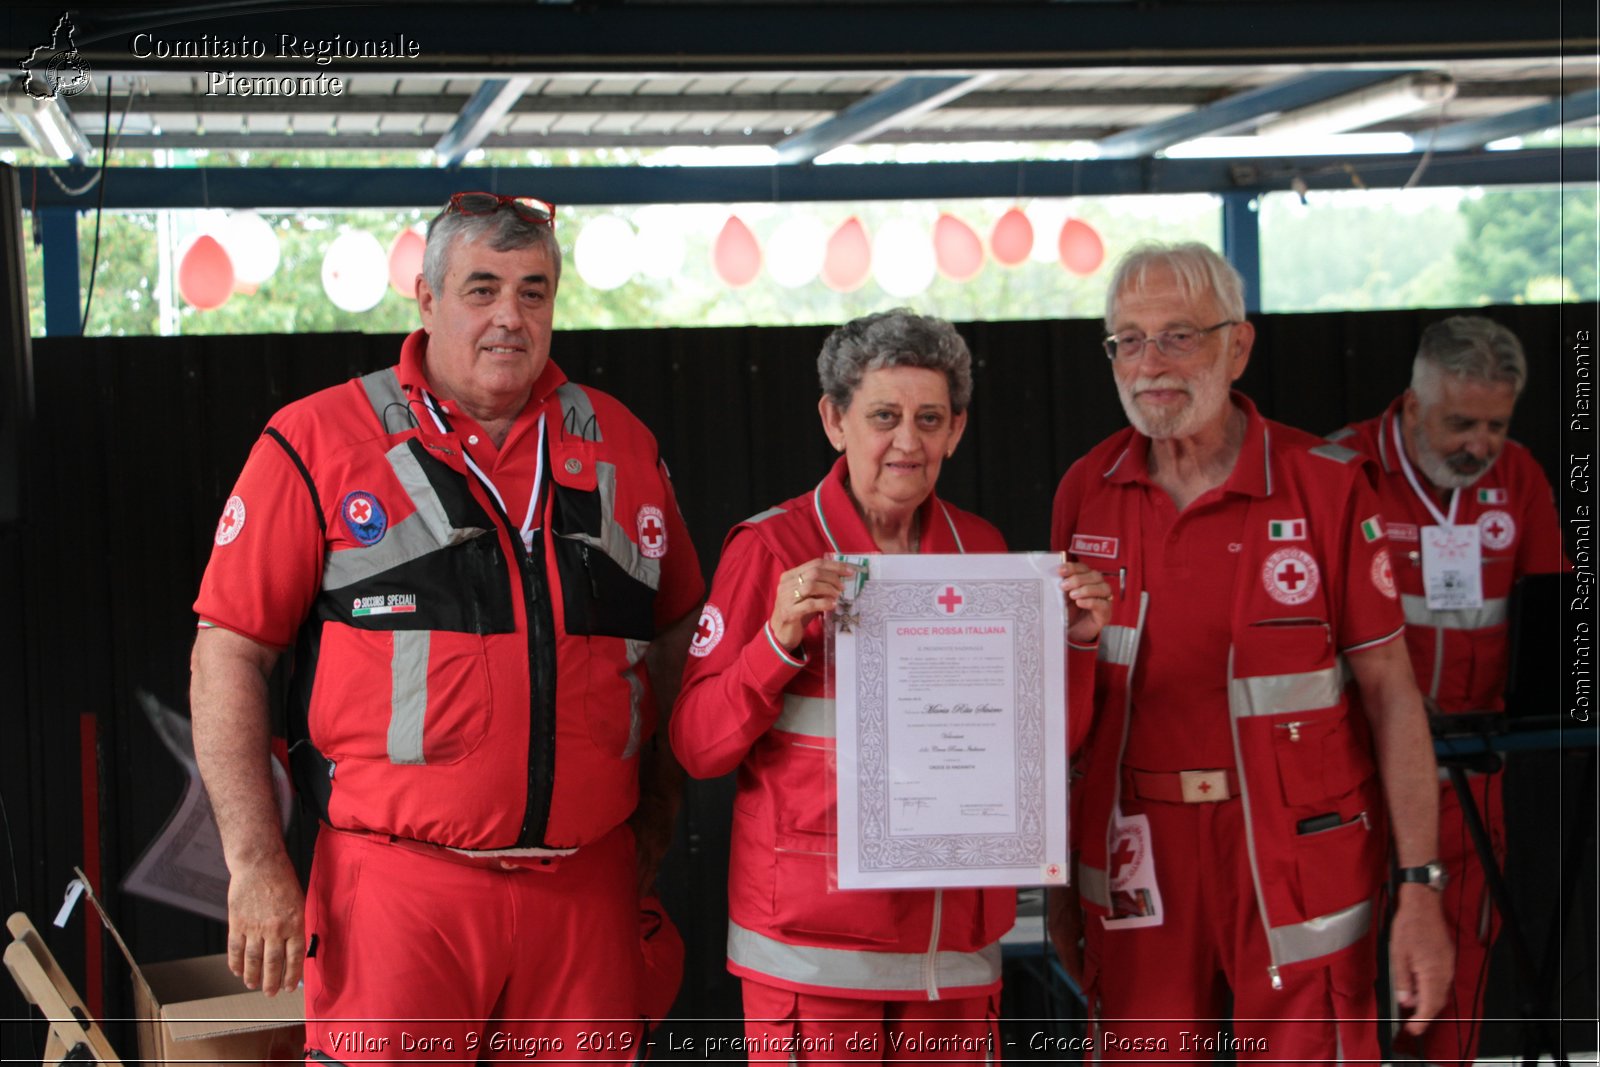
605	252
355	271
659	249
252	244
902	257
1047	217
796	251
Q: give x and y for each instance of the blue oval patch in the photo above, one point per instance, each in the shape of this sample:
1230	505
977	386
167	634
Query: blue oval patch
364	517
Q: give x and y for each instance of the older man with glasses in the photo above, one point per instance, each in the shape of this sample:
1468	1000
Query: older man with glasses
1229	818
488	589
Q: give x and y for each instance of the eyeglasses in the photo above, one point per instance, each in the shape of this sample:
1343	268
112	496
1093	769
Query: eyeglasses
528	209
1174	344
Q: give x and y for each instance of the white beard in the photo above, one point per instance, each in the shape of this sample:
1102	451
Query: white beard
1208	399
1438	469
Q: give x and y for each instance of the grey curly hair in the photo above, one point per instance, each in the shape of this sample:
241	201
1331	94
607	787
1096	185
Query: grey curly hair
897	338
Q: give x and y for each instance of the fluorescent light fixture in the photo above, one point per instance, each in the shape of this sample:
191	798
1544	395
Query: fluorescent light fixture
1358	110
1347	144
46	125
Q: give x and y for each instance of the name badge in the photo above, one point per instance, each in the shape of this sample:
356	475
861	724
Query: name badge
1452	567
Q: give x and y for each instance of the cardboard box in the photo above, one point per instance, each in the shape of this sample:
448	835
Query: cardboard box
195	1011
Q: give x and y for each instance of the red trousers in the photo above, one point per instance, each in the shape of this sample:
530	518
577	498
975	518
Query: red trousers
781	1025
1162	992
1473	920
420	957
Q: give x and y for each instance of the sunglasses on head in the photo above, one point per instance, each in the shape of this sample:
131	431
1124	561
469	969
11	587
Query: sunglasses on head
528	208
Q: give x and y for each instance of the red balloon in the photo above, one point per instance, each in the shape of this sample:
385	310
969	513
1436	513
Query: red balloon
405	263
1012	238
736	253
205	275
1080	247
956	249
848	260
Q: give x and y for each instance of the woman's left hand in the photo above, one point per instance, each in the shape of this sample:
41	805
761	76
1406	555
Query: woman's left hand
1088	601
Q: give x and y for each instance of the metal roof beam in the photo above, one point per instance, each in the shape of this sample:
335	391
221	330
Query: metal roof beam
357	141
145	188
1240	109
358	103
477	119
1475	133
861	121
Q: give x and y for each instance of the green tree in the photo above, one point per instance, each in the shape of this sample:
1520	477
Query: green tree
1517	238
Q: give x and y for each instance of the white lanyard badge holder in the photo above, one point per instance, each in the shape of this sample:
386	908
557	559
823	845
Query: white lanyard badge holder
1452	555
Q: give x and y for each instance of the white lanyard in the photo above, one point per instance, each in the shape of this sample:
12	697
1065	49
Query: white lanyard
1426	498
538	474
1452	556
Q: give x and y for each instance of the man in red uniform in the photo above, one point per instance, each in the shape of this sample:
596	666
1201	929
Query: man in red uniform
484	577
1229	818
1467	512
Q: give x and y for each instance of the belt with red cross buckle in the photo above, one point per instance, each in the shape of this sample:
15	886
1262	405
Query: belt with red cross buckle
1183	787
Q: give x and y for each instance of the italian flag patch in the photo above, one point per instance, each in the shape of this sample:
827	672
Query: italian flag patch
1372	529
1492	496
1286	530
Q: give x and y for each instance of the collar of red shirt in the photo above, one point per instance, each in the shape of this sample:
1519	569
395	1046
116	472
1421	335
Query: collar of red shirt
1386	422
1251	476
843	525
414	378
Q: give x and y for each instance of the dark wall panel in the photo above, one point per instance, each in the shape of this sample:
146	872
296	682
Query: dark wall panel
139	441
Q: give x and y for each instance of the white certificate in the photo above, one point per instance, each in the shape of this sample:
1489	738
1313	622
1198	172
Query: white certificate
952	752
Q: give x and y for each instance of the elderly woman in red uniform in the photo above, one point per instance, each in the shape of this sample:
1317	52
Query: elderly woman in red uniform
829	974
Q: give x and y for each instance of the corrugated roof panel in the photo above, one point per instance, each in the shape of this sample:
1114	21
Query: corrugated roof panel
309	124
269	122
357	123
570	87
671	85
573	123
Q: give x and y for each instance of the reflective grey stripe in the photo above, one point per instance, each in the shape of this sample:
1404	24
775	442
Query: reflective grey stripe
1117	645
1335	452
1493	613
1092	886
763	516
1274	694
812	716
426	530
577	412
842	968
1320	936
614	540
1339	435
408	672
384	394
636	651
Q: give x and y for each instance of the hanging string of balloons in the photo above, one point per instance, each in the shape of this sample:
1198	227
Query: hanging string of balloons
239	253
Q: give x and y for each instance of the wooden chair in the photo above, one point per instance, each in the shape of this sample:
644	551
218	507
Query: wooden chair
74	1036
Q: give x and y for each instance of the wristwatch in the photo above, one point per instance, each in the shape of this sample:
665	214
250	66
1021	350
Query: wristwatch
1431	874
